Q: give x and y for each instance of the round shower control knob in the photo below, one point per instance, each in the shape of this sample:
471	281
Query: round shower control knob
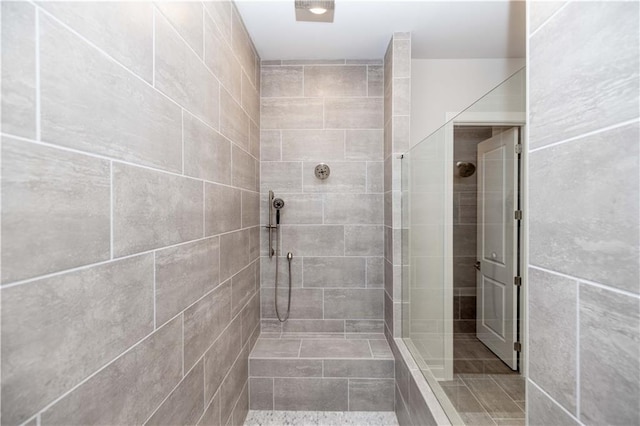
322	171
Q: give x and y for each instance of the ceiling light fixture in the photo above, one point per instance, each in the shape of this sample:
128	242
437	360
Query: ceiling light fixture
314	10
317	10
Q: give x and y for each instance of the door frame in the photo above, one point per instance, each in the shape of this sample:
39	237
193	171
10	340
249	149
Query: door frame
498	119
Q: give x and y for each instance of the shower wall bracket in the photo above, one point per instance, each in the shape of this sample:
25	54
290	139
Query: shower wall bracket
270	226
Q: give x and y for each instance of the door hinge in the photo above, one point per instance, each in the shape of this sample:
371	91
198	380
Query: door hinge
518	148
517	346
517	281
518	214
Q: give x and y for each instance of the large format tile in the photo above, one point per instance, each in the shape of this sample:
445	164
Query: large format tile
211	416
310	394
233	385
119	384
334	272
250	100
250	209
59	330
234	122
241	409
181	75
18	103
353	304
207	154
205	321
493	398
567	103
268	271
358	209
281	81
306	302
345	177
220	357
260	393
219	56
291	113
234	253
364	144
55	210
280	177
182	16
184	274
299	209
90	103
315	240
309	145
243	286
609	353
276	348
244	169
362	368
371	394
552	335
288	368
335	348
574	228
123	30
222	206
336	80
185	405
542	411
153	209
243	46
353	113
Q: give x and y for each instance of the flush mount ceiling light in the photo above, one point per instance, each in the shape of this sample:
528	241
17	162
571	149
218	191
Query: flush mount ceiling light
315	10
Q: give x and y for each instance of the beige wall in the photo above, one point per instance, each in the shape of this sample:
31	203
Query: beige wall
129	213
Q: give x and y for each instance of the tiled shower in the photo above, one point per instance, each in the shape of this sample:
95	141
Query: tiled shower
139	141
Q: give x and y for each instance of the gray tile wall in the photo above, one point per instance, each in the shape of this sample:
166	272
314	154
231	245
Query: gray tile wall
130	192
584	280
397	109
324	112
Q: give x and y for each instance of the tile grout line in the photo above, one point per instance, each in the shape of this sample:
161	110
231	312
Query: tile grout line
586	135
587	282
554	402
117	160
549	19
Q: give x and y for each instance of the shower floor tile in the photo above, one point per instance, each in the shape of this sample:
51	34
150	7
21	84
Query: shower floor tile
321	418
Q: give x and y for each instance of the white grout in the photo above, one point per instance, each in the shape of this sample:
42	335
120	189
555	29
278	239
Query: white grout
586	135
587	282
546	21
155	298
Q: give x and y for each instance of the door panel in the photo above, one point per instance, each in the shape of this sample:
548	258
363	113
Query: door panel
497	192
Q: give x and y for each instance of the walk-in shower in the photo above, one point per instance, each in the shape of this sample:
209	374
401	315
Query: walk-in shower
277	204
462	298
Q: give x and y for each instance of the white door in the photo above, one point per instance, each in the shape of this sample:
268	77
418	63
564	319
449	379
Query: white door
497	251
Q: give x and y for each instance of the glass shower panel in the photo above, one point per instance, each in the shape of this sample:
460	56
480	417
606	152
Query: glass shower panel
425	228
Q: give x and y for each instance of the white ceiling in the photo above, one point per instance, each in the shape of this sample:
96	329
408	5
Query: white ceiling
362	29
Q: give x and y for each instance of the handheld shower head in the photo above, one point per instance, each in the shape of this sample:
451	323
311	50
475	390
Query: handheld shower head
278	203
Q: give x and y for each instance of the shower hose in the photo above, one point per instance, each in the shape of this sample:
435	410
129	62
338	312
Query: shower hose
289	258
